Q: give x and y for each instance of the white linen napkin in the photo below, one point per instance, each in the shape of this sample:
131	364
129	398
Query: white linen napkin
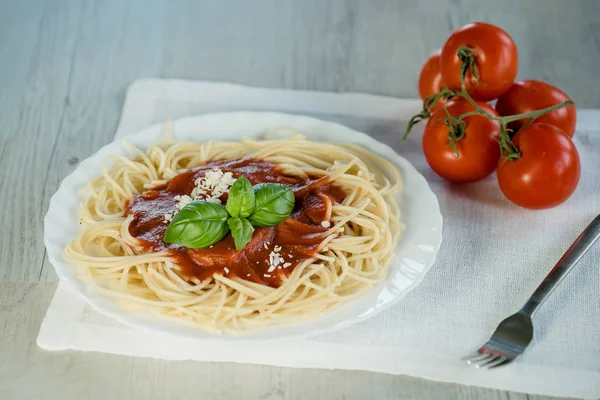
493	256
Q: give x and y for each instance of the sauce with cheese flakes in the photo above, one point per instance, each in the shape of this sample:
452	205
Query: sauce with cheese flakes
272	253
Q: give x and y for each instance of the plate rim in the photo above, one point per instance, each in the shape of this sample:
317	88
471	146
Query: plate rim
75	285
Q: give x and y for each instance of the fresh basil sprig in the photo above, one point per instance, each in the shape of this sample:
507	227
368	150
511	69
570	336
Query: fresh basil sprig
241	200
241	230
200	224
274	203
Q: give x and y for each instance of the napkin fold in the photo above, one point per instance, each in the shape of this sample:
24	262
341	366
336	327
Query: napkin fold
493	256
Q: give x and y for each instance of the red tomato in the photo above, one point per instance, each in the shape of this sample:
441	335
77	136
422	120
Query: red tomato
478	150
496	59
430	78
547	172
530	95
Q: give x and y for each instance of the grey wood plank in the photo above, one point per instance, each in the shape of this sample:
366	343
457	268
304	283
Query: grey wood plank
26	154
118	43
19	32
375	47
77	375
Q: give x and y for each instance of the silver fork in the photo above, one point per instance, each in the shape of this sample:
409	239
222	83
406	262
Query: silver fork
514	334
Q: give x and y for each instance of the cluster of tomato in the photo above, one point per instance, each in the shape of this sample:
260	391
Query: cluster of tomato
525	138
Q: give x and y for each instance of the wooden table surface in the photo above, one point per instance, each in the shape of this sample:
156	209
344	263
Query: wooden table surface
64	67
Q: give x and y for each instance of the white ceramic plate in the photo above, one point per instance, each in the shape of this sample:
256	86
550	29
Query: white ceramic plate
415	253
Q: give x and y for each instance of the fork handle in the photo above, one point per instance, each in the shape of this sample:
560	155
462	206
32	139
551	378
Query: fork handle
563	266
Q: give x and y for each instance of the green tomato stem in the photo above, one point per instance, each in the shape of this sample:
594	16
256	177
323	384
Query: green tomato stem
428	103
508	149
534	114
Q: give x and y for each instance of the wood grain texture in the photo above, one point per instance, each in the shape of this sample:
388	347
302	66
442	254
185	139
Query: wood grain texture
27	372
376	47
28	151
64	68
110	53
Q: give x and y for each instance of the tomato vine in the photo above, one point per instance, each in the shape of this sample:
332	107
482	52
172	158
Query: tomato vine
456	124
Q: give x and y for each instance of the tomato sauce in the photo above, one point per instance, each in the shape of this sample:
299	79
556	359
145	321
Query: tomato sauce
296	238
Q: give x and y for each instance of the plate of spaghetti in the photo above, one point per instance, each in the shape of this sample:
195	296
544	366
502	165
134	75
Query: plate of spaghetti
243	225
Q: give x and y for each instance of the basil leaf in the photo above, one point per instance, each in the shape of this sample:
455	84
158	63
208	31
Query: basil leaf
241	201
198	225
241	230
274	203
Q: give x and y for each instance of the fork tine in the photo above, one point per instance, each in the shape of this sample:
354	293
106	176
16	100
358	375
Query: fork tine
486	361
496	363
472	358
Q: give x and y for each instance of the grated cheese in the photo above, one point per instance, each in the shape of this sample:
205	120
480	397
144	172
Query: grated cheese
212	185
214	200
208	188
182	201
275	259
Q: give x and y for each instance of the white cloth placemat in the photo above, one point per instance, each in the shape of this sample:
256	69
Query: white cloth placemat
492	258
